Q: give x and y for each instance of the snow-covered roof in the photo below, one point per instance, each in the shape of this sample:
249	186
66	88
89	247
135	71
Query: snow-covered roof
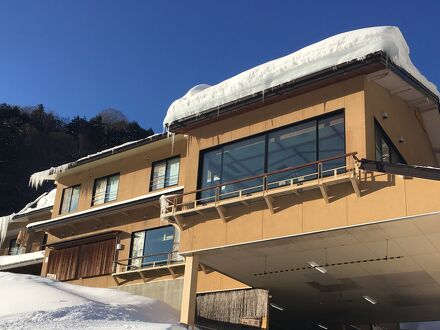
43	201
330	52
25	259
38	178
34	302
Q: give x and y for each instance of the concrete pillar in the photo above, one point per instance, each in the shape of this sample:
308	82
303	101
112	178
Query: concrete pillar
188	310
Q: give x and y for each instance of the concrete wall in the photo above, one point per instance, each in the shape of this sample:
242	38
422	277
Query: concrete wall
169	291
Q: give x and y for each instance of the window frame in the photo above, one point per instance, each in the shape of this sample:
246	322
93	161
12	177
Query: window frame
388	141
107	177
266	134
145	230
16	246
166	160
70	203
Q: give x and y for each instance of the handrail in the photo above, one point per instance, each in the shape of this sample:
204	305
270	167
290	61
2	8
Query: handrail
171	257
287	169
119	261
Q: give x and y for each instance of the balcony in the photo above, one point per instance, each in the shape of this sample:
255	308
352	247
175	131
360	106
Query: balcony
267	186
148	266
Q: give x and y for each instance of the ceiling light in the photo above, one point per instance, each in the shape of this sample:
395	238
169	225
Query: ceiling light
317	267
277	307
322	326
370	300
354	327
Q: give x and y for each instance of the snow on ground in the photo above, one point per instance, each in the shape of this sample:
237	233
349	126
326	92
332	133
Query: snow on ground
341	48
33	302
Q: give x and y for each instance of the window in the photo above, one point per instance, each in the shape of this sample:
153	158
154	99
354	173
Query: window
154	246
79	261
291	146
105	189
385	149
165	173
69	200
14	247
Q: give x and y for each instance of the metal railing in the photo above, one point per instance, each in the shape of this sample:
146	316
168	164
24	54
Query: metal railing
142	262
291	176
104	197
163	181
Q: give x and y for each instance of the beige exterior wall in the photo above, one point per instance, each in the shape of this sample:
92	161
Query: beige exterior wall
382	196
134	170
402	121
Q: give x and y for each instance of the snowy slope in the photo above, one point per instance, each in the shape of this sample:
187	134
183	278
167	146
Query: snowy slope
38	303
341	48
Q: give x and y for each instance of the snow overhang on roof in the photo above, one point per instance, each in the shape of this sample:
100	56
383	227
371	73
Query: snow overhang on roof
52	173
21	260
328	54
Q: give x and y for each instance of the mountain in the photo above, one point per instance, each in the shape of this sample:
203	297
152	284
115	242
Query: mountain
32	139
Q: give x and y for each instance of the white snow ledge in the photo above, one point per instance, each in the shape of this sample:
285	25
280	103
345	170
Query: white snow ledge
21	260
339	49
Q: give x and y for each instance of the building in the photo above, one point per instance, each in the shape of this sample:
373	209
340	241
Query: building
306	188
22	251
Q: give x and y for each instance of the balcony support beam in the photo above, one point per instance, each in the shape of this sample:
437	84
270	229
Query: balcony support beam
178	219
221	212
355	184
269	203
173	274
324	192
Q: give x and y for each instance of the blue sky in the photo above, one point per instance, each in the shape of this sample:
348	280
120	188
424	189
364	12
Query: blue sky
79	57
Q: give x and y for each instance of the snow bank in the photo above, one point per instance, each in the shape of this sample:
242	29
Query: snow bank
325	54
38	178
25	258
39	303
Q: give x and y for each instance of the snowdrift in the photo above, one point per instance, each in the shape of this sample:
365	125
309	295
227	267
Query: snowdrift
33	302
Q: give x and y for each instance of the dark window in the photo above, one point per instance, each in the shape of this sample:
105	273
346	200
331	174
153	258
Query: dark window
69	200
14	247
385	149
279	149
154	247
165	173
105	189
43	242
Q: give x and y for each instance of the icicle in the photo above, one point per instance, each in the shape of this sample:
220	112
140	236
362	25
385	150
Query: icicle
163	206
4	223
262	96
37	179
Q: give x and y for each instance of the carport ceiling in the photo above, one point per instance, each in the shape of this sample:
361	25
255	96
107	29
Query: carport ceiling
397	263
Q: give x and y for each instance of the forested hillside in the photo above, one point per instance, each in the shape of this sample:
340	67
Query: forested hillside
32	139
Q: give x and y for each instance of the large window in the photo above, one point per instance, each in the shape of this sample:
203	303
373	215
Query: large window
292	146
385	149
105	189
154	247
165	173
69	200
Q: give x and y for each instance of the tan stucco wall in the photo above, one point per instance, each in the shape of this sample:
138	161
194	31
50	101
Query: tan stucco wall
346	95
402	121
135	173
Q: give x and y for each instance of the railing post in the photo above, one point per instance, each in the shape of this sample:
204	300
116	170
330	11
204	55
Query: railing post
217	194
